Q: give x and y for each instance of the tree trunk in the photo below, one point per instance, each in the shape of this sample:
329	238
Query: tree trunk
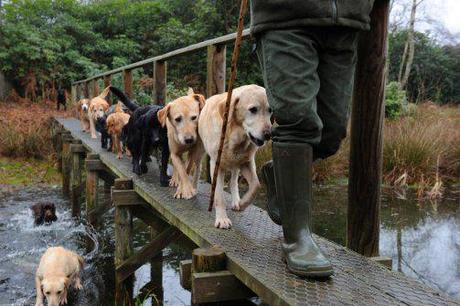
410	44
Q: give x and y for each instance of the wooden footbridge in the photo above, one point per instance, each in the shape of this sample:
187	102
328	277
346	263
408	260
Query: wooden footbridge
252	263
247	261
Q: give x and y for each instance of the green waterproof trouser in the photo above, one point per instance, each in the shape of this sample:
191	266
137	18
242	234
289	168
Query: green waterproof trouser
308	75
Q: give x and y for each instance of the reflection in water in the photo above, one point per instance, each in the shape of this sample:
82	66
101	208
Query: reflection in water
422	238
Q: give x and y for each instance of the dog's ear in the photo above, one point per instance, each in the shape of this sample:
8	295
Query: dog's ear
162	115
190	91
200	99
232	106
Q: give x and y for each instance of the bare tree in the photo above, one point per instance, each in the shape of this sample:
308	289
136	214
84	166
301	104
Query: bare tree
409	48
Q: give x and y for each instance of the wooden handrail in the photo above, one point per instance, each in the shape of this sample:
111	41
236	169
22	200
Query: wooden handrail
179	52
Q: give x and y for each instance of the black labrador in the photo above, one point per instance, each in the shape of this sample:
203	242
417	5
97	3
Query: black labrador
144	133
61	99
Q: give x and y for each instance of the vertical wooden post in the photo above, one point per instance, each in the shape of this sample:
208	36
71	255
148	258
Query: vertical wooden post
77	152
156	273
123	244
66	160
215	82
74	98
159	87
92	182
366	136
128	82
78	92
59	147
95	87
86	90
107	81
206	260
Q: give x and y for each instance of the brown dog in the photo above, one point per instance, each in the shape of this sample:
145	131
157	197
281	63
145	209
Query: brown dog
44	213
248	128
181	119
115	123
82	110
58	269
97	108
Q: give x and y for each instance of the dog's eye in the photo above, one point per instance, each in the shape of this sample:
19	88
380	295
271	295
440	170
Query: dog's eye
178	119
47	293
193	118
59	292
253	110
270	110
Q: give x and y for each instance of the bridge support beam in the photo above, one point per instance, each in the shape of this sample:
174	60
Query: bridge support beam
128	82
92	182
66	162
107	81
123	244
76	187
363	218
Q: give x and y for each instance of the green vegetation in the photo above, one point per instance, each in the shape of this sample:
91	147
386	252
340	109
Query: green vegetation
28	172
395	100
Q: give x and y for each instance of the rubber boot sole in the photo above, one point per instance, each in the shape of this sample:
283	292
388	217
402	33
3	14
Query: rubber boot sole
317	274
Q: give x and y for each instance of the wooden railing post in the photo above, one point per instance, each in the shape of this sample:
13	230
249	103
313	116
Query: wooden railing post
92	182
107	81
128	82
86	90
215	82
123	244
77	150
95	83
365	177
159	87
74	97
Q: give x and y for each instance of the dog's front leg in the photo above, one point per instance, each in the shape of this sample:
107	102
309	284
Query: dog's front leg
92	128
194	163
164	178
249	173
185	189
144	154
222	220
38	287
234	189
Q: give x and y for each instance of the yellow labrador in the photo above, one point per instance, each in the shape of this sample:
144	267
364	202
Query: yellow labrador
181	119
82	110
97	108
248	128
58	269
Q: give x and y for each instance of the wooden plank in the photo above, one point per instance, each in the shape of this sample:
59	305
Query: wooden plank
386	261
129	266
126	198
185	274
77	148
95	165
220	286
73	94
159	72
66	163
128	82
365	174
229	38
86	89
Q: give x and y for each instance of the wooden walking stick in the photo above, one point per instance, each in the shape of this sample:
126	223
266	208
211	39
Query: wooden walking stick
235	55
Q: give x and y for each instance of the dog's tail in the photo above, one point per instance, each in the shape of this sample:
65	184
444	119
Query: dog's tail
124	98
105	93
118	108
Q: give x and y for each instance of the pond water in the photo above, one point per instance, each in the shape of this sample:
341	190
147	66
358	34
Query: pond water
422	238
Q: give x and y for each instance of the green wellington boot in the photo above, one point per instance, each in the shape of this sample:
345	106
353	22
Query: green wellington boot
292	165
268	177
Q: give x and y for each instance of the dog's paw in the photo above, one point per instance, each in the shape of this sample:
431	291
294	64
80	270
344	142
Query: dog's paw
241	205
39	304
223	223
94	136
173	182
78	285
236	205
185	193
119	156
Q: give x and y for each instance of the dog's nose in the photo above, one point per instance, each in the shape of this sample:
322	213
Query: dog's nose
267	135
189	140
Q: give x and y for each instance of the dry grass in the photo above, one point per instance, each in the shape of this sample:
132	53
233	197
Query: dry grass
25	130
420	150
